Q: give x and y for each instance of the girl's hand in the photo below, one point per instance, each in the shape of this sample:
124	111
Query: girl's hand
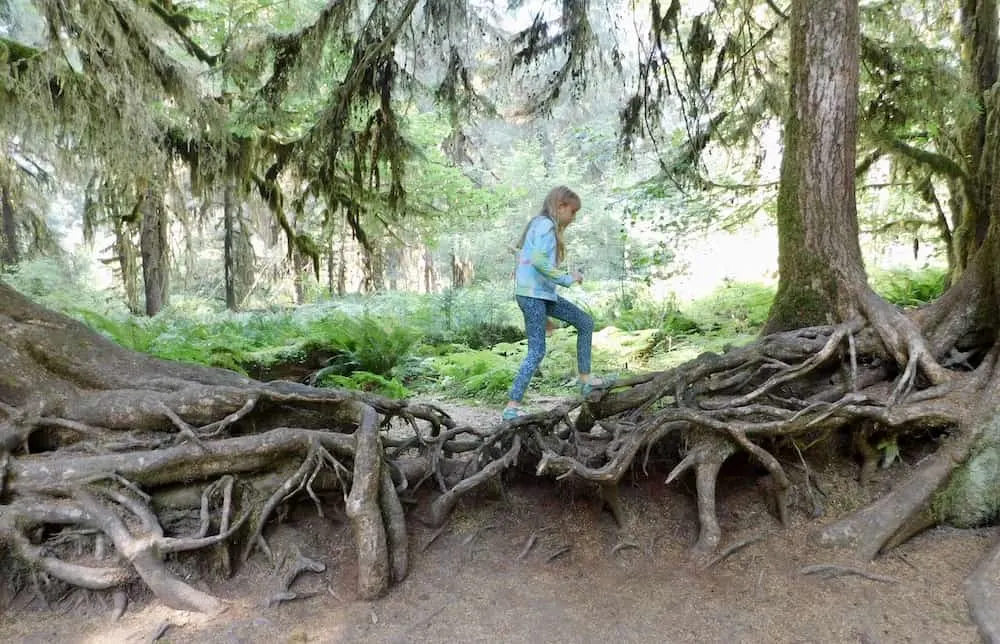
578	277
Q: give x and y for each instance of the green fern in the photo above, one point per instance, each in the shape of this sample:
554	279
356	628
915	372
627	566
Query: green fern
366	381
363	344
475	374
908	287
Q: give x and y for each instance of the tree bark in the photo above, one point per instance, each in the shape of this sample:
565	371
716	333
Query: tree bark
364	510
430	284
979	35
818	248
155	251
300	264
341	282
128	265
9	254
228	245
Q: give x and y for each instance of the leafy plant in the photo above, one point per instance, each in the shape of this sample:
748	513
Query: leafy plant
676	323
476	317
909	287
363	344
734	307
366	381
476	374
634	308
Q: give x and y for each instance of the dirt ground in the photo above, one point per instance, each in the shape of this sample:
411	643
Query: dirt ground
542	562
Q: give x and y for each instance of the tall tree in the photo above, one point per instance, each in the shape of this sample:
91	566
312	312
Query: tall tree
979	141
818	248
822	277
229	216
155	249
9	253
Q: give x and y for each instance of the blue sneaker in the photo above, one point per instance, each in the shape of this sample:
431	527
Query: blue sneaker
596	382
511	413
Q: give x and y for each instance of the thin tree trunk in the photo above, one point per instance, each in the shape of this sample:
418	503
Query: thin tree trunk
429	285
127	264
818	248
331	268
229	255
153	244
9	254
300	265
342	259
374	260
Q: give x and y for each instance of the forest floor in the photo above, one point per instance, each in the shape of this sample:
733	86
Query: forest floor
539	561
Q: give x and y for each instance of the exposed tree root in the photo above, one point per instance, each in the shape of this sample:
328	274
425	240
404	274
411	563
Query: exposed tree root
733	549
867	530
706	458
982	591
299	565
830	570
138	452
365	512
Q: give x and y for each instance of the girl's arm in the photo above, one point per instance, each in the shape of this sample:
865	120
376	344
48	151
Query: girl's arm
541	258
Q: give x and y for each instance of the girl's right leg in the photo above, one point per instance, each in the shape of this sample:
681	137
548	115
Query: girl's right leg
534	326
563	309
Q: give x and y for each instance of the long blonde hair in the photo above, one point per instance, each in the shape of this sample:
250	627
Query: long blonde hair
558	196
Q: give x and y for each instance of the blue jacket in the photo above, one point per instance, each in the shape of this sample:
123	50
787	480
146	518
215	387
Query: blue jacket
537	273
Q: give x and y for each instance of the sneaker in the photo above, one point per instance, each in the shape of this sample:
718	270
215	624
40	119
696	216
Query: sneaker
510	413
596	382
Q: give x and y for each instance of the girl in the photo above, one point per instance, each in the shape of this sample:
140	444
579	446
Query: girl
540	255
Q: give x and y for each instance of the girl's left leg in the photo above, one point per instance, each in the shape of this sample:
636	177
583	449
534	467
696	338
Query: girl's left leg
534	327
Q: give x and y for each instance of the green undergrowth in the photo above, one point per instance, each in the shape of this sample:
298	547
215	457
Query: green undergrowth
460	344
908	287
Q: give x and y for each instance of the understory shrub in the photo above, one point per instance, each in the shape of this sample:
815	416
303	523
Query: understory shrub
908	287
733	307
480	374
363	344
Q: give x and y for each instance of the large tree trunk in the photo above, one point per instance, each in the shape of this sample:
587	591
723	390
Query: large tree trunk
822	277
818	248
155	251
821	272
981	139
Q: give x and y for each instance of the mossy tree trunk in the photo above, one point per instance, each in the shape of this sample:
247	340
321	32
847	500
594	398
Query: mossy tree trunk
128	260
229	205
980	138
818	248
822	277
155	250
9	253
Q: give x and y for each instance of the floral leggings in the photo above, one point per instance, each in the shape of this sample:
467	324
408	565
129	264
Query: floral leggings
535	311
